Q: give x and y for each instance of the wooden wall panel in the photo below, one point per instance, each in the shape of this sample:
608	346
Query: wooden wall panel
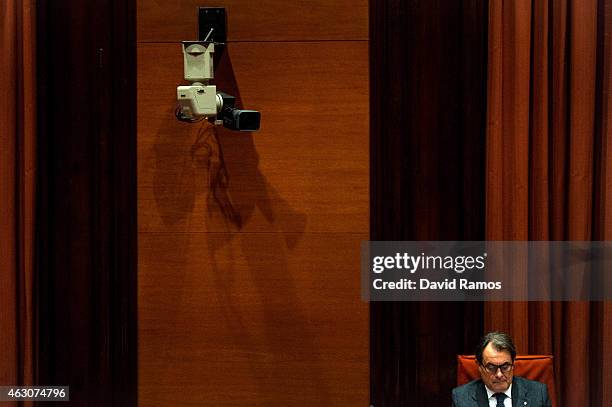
245	319
278	172
264	20
257	304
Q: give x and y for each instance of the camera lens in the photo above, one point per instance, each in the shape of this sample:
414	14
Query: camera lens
242	120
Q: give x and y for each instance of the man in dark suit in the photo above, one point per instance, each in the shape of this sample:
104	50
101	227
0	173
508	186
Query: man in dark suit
497	387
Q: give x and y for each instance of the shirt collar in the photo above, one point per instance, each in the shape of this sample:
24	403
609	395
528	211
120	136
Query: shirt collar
508	392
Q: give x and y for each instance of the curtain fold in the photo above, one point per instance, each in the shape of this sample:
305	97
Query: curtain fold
17	189
548	170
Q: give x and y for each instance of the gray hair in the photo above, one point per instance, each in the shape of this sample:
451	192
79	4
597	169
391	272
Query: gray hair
500	341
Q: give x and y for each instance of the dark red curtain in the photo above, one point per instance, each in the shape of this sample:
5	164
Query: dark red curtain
549	172
17	176
428	116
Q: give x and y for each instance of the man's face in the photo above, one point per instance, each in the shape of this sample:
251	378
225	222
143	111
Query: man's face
499	381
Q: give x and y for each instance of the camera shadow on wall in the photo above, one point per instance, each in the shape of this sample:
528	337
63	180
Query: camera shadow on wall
207	182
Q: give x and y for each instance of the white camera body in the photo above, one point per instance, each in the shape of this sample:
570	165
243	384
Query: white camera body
198	100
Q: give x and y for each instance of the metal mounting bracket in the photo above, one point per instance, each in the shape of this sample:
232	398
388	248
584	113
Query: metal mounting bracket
212	24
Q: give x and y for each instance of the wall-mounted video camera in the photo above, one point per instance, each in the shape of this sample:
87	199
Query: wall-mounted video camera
201	100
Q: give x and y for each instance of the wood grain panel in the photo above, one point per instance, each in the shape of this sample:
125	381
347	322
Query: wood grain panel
249	319
265	20
249	289
291	176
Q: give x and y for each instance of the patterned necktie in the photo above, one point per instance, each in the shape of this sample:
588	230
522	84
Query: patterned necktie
500	399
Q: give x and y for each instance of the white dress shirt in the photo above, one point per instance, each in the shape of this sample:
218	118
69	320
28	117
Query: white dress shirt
493	399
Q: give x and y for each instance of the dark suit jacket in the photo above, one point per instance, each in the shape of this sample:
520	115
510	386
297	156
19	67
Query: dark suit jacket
474	394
